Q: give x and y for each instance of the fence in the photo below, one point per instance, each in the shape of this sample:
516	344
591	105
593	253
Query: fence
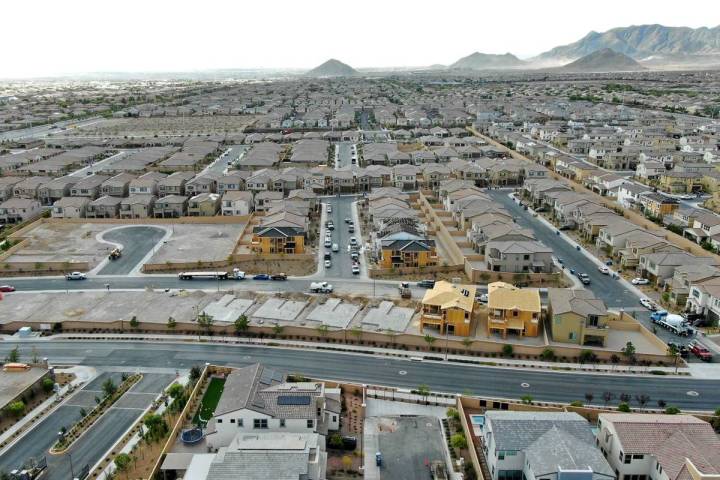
233	260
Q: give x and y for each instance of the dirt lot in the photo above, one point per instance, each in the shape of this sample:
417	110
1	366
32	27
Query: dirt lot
215	124
193	242
57	242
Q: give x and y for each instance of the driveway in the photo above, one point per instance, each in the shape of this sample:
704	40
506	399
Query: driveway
136	243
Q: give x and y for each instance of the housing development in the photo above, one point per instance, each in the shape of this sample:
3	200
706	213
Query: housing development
488	270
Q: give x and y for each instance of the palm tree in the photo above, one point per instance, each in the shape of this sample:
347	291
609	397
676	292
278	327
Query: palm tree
171	323
674	352
429	339
607	396
424	391
278	329
589	397
392	334
642	399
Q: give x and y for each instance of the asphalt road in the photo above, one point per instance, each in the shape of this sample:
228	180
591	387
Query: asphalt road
44	130
89	448
136	241
341	263
344	154
684	392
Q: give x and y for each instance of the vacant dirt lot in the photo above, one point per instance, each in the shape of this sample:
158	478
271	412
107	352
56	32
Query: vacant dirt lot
214	124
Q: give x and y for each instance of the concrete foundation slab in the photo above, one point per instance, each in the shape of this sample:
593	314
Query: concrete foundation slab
334	313
387	316
279	310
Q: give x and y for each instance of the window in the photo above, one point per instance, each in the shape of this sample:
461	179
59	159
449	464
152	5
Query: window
621	456
628	459
260	423
219	420
310	423
334	418
282	423
572	336
240	422
638	457
232	420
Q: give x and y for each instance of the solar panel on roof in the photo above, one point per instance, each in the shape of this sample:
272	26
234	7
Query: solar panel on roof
293	400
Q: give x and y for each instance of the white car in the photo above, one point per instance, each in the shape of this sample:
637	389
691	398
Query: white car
329	208
335	247
482	298
328	263
328	242
645	302
75	276
604	270
640	281
353	241
356	269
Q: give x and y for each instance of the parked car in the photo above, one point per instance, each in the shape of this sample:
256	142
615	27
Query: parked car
584	279
682	349
321	287
330	225
328	263
645	302
604	270
353	241
356	269
348	220
261	276
329	208
351	229
700	351
426	283
278	276
335	247
482	298
7	288
640	281
355	256
75	276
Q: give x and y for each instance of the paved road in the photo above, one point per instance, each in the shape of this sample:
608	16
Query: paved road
90	448
136	242
440	376
45	130
341	263
344	154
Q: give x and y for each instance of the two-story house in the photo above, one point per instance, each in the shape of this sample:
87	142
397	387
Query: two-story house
513	310
448	308
576	316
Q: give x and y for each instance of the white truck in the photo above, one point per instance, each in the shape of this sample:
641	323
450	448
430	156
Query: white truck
675	323
321	287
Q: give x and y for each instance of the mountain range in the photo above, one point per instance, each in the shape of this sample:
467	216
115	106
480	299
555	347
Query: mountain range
488	61
605	60
332	68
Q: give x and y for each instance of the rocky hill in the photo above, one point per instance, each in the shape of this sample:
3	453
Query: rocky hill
605	60
332	68
488	61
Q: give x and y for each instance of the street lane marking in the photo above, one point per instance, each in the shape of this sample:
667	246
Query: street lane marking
525	385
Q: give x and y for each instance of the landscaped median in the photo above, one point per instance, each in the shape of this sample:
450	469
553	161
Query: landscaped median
112	394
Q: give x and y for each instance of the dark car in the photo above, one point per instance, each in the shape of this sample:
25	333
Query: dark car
584	278
683	350
7	288
278	276
261	276
426	283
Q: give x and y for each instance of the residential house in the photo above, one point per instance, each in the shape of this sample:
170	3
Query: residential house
30	187
513	310
18	210
104	207
174	184
576	316
541	446
55	189
263	199
117	186
137	206
448	308
659	267
518	256
90	187
146	184
6	187
170	206
70	207
407	253
659	447
204	205
704	299
657	204
237	203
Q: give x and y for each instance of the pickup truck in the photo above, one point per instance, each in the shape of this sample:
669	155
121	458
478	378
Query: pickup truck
697	349
321	287
75	276
278	276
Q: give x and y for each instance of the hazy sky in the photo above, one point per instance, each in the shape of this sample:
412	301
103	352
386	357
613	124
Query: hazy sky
43	37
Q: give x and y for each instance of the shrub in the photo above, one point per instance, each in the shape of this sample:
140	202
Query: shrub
672	410
458	441
624	407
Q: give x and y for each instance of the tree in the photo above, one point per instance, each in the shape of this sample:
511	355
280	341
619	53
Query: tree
134	322
467	342
109	387
176	391
47	385
15	408
586	356
607	396
452	413
423	391
576	403
205	322
195	373
628	352
156	426
171	323
624	407
13	355
507	350
672	410
122	462
625	397
661	403
277	329
429	339
323	330
242	324
335	440
527	399
458	441
642	399
614	359
589	397
717	412
674	352
548	355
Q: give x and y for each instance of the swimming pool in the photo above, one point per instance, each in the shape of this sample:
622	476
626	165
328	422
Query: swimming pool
477	419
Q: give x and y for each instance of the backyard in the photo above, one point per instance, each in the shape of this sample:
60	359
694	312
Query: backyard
210	400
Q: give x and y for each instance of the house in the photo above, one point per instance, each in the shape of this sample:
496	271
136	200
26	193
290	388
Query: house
680	182
8	183
576	316
17	210
89	186
146	184
514	310
70	207
117	186
541	446
170	206
704	227
448	308
137	206
174	184
30	187
518	256
236	203
256	399
629	194
407	253
104	207
204	205
657	204
704	299
55	189
660	266
659	447
263	199
202	183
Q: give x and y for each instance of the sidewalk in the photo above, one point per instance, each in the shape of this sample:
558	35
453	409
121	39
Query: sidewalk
82	375
494	362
